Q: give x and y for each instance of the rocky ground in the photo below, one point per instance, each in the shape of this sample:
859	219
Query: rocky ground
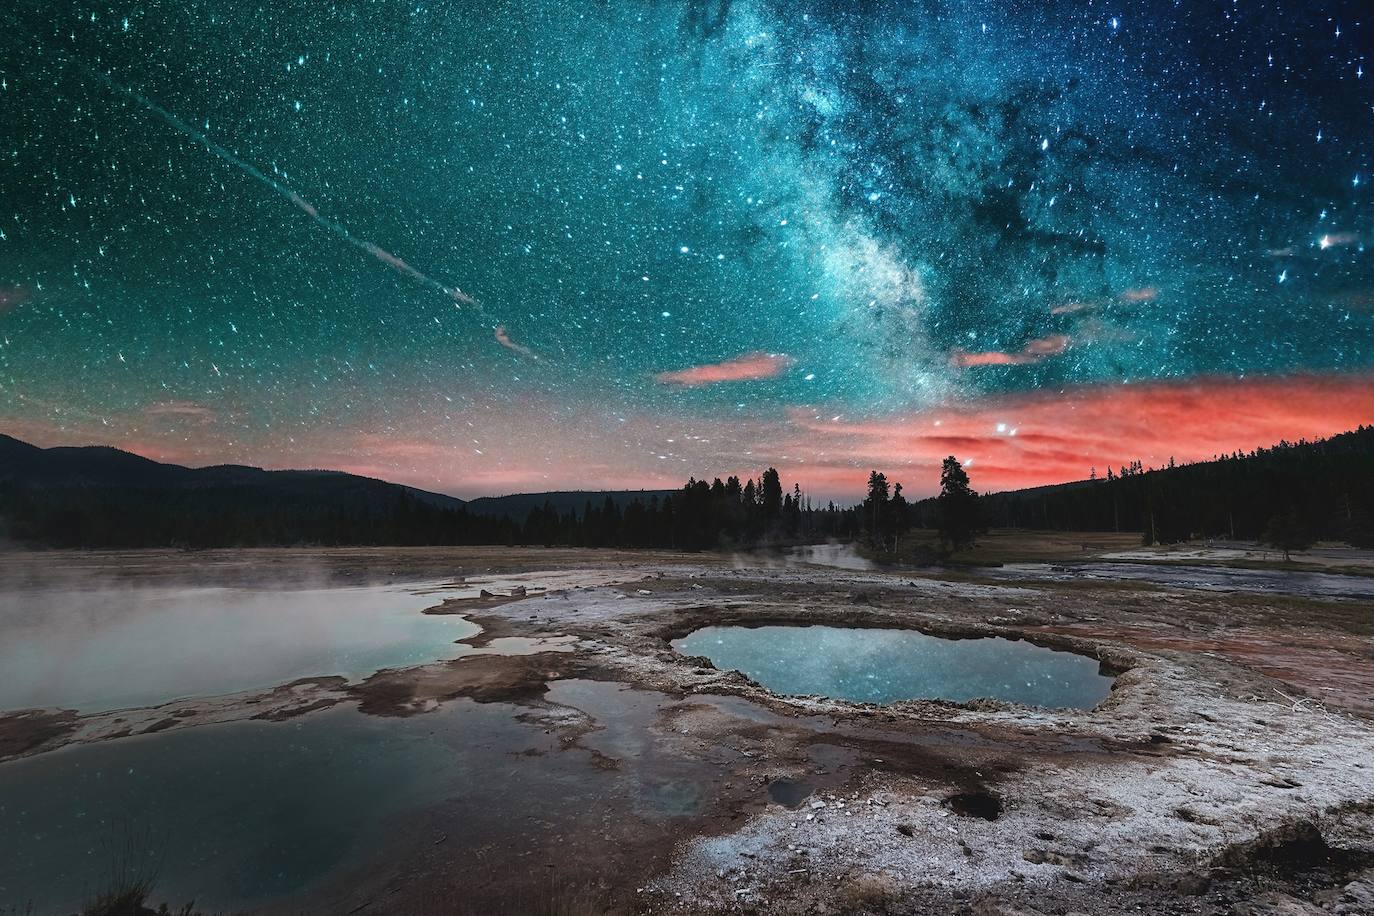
1230	770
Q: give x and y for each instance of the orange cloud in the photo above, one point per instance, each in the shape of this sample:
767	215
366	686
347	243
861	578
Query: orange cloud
1032	352
1141	294
744	368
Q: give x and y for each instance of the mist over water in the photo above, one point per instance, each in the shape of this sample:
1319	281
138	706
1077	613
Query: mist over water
100	645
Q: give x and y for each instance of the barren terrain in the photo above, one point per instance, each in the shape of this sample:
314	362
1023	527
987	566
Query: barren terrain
1230	770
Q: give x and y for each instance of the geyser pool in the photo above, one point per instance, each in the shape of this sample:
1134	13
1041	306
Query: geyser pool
120	646
870	665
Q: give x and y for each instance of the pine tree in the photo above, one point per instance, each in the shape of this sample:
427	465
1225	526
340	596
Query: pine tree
772	493
957	507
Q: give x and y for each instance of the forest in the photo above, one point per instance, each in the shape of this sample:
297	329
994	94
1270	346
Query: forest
1323	489
1312	490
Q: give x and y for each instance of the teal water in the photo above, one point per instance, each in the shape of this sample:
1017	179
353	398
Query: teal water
305	816
105	648
232	815
885	666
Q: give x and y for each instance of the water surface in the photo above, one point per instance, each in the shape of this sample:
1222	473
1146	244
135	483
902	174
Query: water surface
238	814
887	665
839	556
323	813
111	647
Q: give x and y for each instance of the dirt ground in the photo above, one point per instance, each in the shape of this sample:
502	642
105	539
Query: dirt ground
1231	769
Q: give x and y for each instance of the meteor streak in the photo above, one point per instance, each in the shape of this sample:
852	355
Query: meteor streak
309	209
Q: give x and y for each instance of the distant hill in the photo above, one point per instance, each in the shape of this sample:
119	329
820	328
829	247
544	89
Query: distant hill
518	505
1326	489
106	498
101	466
99	496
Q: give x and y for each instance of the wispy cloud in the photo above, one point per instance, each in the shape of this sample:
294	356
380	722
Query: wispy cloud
1032	352
744	368
504	340
181	410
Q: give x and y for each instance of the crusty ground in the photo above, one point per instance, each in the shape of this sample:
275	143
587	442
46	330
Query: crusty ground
1232	765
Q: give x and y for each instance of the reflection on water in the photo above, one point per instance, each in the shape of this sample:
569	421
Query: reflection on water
308	815
111	648
232	815
884	666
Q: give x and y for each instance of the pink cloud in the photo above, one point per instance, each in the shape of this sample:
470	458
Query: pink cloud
744	368
1033	352
1050	437
1012	441
1141	294
504	340
1070	308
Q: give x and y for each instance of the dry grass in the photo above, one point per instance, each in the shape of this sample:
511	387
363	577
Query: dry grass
866	895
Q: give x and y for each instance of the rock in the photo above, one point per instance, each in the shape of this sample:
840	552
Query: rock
1276	904
485	594
996	908
1192	885
1357	897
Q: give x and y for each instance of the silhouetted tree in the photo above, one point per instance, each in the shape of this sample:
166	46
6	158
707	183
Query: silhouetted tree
957	506
1287	533
899	515
875	509
772	493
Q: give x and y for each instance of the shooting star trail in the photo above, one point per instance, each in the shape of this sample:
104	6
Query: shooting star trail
339	229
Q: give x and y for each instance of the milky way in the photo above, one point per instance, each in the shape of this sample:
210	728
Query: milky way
705	236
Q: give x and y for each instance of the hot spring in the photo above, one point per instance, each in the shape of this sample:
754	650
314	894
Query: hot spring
870	665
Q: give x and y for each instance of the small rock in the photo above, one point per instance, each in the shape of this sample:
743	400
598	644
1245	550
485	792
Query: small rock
1276	904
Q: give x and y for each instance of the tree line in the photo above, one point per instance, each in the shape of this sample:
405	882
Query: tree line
1293	492
700	515
1288	495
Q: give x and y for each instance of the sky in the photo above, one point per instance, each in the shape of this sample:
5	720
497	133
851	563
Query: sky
527	245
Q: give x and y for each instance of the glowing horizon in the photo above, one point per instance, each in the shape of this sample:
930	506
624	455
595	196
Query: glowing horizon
618	246
1016	441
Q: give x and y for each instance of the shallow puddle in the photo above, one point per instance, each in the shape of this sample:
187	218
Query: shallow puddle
325	812
109	648
866	665
234	815
789	793
839	556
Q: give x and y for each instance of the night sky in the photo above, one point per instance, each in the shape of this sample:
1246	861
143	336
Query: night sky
503	246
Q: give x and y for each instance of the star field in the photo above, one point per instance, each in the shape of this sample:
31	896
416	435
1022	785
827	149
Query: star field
524	244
